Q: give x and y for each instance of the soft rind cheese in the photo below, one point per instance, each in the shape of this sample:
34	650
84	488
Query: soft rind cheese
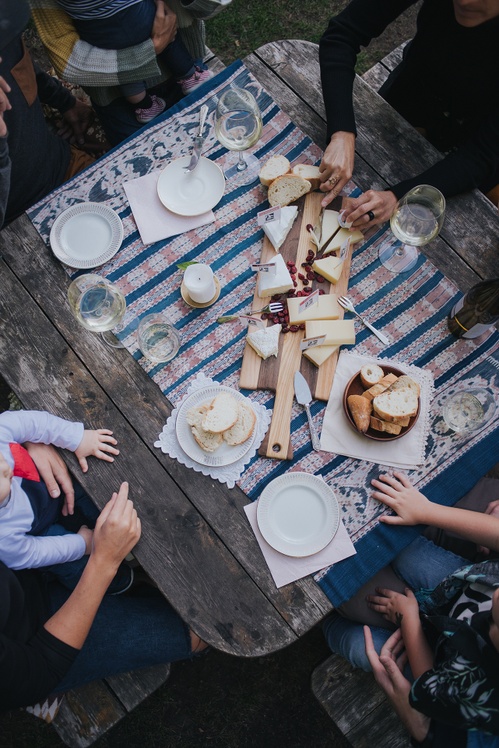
329	267
330	225
278	282
265	341
326	307
277	231
337	331
318	354
341	236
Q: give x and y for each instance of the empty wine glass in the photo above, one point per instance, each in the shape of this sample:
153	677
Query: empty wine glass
238	125
416	220
98	305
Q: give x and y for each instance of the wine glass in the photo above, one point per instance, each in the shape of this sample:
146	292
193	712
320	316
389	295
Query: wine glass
468	410
416	220
238	125
98	305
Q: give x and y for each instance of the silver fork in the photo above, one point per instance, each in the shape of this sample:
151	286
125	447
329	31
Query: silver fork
347	304
273	308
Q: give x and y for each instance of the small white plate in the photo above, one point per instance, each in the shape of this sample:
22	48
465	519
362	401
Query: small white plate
225	454
298	514
191	193
86	235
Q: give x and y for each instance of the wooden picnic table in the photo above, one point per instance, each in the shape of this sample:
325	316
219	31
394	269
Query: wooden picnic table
196	543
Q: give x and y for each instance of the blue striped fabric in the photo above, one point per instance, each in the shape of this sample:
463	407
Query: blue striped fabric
411	308
88	10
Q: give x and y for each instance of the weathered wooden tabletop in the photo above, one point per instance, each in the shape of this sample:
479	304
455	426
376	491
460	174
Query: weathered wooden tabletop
196	542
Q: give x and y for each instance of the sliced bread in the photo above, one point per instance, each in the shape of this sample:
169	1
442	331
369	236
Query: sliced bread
222	413
243	427
371	374
406	383
388	428
361	410
379	387
309	172
395	404
207	440
285	190
276	166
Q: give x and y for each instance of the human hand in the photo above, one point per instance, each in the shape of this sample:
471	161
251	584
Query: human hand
97	443
54	473
164	28
76	122
5	104
380	203
394	606
117	529
336	167
87	536
398	493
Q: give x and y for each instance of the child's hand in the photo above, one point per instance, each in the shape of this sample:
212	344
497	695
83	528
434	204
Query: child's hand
393	605
87	536
397	492
97	443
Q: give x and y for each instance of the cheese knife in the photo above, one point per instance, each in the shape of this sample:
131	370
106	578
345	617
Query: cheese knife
304	397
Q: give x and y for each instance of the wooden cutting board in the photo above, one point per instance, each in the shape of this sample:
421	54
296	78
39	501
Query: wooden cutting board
277	373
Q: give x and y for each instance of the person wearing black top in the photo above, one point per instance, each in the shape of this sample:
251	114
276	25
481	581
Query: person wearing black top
446	86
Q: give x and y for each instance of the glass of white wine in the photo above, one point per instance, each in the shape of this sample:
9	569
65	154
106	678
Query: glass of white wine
98	305
416	220
468	410
238	125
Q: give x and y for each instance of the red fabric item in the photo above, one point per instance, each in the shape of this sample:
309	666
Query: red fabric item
24	467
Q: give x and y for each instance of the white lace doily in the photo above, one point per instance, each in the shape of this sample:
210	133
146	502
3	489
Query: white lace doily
168	442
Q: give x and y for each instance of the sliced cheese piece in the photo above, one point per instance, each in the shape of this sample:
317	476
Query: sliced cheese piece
329	267
319	354
277	231
278	282
342	236
337	331
330	226
265	341
326	307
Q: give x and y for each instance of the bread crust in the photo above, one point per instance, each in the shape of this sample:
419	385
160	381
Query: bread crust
360	409
285	190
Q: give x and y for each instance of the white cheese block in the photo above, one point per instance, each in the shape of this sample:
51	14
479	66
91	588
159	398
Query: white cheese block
330	268
330	225
277	231
337	331
326	307
342	236
278	282
265	341
319	354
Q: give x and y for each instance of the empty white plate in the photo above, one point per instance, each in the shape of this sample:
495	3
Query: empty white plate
194	192
86	235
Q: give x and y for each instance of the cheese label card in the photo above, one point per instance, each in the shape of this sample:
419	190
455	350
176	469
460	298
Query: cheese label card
268	216
253	321
307	343
344	224
264	267
345	247
312	298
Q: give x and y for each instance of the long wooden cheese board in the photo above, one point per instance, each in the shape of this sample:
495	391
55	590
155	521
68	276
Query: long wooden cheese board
277	373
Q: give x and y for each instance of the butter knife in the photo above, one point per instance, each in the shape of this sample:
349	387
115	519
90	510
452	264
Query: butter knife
304	397
198	140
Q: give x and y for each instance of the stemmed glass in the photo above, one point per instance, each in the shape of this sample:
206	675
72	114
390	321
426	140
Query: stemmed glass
98	305
416	220
238	125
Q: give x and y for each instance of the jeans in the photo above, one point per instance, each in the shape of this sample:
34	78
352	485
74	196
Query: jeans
422	565
129	632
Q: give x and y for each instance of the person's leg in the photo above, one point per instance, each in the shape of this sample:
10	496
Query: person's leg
346	638
423	565
178	59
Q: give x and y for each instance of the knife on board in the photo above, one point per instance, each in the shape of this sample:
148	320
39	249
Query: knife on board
304	397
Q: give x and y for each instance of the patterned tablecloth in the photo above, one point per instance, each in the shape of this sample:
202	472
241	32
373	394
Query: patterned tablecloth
411	308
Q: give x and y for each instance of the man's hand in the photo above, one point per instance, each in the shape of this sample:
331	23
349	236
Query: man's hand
5	104
87	536
75	123
164	28
398	493
54	473
336	167
117	530
357	209
98	443
394	606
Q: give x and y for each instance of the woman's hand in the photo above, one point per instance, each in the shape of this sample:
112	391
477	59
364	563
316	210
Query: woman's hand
394	606
398	493
54	473
357	209
117	529
336	167
164	28
97	443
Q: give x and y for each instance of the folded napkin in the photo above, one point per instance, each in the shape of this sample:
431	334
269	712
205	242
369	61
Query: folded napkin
338	435
154	221
286	569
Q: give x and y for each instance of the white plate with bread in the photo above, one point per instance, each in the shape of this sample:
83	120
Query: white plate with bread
216	425
382	402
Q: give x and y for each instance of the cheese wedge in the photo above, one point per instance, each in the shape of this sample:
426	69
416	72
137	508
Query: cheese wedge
337	331
342	236
278	282
265	341
330	226
329	267
277	231
319	354
326	307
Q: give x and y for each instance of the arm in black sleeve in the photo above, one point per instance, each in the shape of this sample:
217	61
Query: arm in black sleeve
361	21
4	178
52	92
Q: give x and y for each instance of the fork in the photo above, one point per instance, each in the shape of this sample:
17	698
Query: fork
273	308
347	304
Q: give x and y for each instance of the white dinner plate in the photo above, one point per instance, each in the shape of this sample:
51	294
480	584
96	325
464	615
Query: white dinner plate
86	235
191	193
298	514
225	454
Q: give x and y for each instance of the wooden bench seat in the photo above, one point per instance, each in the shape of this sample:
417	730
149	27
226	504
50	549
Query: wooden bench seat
377	75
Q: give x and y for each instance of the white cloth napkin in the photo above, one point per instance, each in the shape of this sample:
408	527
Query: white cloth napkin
286	569
338	435
154	221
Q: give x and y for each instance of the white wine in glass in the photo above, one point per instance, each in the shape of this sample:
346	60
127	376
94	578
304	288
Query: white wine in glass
238	125
98	305
416	220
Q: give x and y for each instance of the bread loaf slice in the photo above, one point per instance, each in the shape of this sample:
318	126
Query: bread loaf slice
287	189
388	428
276	166
371	374
396	404
243	427
361	409
207	440
222	413
380	387
308	172
406	383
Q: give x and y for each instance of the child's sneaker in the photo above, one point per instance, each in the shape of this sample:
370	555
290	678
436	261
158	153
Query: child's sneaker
146	115
195	80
